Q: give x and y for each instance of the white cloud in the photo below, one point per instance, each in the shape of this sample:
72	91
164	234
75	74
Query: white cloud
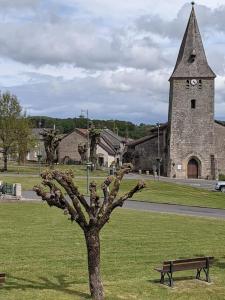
112	57
18	3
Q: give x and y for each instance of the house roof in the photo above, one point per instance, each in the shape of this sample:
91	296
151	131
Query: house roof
141	140
222	123
109	150
192	61
82	131
153	134
111	140
36	132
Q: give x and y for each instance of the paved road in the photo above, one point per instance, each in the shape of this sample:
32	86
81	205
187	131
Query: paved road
161	208
200	183
176	209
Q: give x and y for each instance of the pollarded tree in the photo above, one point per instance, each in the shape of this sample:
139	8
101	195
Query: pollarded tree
91	215
83	149
94	135
51	140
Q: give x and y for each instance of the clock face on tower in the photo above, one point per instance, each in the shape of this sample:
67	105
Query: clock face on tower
194	82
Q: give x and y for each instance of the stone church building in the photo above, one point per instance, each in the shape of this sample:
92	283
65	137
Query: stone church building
191	144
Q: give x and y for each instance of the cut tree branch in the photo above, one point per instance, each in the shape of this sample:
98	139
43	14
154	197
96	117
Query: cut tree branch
64	179
105	189
94	199
119	203
56	199
125	169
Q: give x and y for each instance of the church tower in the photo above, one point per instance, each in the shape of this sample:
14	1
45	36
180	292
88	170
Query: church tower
191	149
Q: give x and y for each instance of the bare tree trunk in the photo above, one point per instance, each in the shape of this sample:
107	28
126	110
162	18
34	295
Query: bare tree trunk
5	160
93	252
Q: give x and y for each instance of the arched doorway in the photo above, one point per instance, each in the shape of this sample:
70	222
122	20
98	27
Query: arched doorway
193	168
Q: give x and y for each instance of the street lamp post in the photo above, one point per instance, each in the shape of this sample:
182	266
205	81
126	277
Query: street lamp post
158	158
88	148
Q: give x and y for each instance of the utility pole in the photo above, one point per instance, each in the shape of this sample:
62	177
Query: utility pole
158	158
88	148
39	155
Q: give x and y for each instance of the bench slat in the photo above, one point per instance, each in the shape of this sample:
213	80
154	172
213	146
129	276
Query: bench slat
186	266
188	260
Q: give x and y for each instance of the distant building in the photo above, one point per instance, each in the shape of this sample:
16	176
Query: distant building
39	148
109	150
191	144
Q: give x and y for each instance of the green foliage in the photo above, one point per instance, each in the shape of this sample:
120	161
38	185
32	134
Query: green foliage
10	112
123	128
25	140
222	177
15	133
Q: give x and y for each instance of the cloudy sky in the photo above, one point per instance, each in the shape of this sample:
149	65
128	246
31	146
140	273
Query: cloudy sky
111	57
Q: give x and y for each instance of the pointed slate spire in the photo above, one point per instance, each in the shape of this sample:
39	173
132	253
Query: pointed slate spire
192	61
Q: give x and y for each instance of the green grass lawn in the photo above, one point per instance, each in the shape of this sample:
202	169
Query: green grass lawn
162	192
44	255
34	169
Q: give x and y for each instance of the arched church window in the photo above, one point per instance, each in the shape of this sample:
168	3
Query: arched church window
200	84
193	103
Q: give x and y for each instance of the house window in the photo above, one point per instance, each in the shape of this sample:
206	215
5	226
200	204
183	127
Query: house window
193	103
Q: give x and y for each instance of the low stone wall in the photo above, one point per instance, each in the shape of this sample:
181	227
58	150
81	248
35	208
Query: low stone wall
16	192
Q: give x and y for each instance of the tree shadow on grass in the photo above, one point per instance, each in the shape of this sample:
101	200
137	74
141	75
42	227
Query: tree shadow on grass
59	284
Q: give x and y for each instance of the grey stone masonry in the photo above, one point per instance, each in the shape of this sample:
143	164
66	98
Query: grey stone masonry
191	136
191	130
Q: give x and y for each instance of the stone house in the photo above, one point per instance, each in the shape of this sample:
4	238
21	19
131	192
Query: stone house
109	150
39	148
145	152
191	144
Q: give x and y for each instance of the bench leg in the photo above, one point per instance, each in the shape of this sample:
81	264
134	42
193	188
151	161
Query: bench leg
198	275
170	276
206	271
162	278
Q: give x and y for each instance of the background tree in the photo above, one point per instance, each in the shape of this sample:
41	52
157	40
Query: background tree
10	119
51	140
94	135
82	149
91	215
25	139
123	128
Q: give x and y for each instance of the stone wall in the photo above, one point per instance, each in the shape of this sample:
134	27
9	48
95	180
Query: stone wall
68	147
108	159
145	154
191	130
220	147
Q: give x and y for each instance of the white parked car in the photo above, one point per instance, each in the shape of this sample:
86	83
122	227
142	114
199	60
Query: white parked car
220	186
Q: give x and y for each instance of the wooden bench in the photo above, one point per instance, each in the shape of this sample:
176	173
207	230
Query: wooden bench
200	264
2	278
